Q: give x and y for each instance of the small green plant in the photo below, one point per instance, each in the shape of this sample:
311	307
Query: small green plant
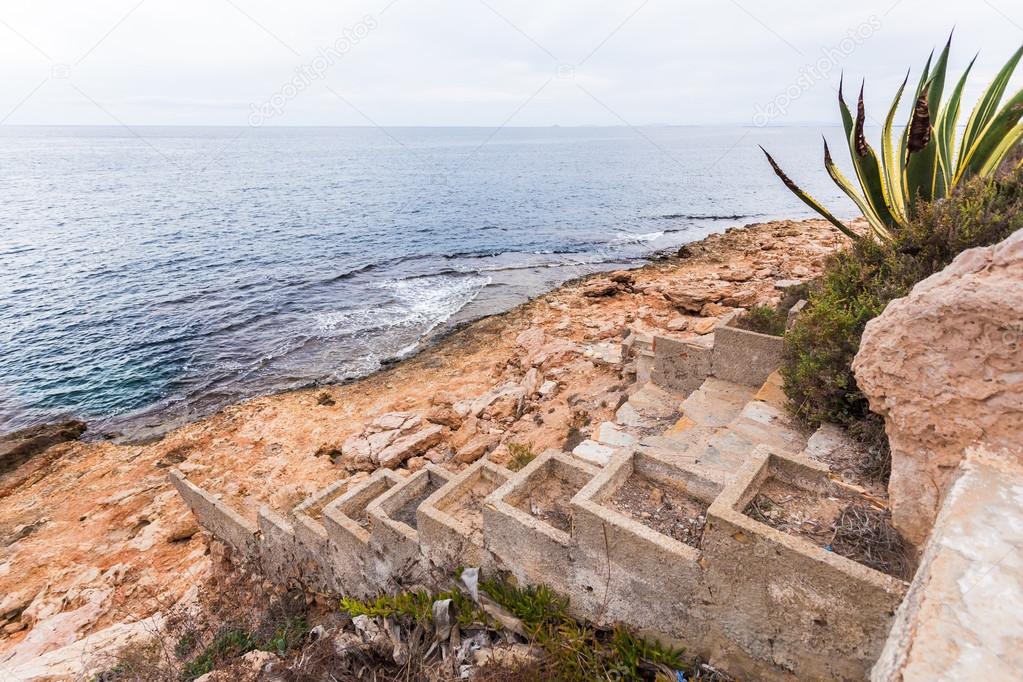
764	319
227	645
521	455
927	163
577	651
288	635
416	606
572	650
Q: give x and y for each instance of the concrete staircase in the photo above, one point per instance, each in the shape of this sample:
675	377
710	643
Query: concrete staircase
553	523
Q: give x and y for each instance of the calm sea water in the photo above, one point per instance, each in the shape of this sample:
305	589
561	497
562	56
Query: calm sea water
155	275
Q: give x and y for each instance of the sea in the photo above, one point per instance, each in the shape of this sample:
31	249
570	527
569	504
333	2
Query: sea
152	275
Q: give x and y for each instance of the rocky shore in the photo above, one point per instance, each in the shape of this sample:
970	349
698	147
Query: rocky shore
94	535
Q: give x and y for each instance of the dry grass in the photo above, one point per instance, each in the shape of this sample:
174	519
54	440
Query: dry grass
865	534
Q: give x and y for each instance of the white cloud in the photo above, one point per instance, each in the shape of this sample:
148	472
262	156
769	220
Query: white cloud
468	62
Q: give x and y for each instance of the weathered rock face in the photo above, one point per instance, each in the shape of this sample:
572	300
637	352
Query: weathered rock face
944	366
20	446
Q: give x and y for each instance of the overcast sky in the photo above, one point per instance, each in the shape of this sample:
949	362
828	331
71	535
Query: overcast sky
474	62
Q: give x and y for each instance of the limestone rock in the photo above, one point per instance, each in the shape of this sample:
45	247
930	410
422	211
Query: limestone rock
704	325
475	448
686	301
502	402
944	366
531	382
356	453
445	416
400	421
465	433
739	274
593	452
677	323
548	388
532	339
444	399
410	446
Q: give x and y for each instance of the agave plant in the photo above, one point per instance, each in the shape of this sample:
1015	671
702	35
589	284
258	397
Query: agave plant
928	162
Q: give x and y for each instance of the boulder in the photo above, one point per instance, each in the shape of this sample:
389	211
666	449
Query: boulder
677	323
704	325
356	454
502	402
445	416
944	366
475	448
548	388
738	274
464	434
686	301
410	446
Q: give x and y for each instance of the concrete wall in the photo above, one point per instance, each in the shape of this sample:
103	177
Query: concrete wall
750	599
682	365
782	601
215	516
744	357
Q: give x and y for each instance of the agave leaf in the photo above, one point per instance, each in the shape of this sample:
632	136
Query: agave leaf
920	156
843	182
807	199
993	135
998	155
985	110
923	173
945	129
904	144
868	169
847	119
892	163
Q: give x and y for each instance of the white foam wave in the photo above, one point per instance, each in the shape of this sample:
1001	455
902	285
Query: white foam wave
422	303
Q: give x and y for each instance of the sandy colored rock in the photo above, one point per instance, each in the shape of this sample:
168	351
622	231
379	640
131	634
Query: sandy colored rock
475	448
445	416
410	446
944	366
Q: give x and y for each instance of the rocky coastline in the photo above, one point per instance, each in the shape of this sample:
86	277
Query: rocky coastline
96	538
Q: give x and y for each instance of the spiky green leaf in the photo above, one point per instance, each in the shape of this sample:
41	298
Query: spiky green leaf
806	198
985	110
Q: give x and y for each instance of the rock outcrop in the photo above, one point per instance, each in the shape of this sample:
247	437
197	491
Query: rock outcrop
944	366
20	446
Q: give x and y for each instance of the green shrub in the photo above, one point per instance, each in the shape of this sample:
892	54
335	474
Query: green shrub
857	285
764	319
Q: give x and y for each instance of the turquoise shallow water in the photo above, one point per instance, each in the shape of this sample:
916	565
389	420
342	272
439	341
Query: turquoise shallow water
164	272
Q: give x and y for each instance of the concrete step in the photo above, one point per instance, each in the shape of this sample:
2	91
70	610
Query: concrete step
773	392
716	402
592	452
764	424
613	435
650	407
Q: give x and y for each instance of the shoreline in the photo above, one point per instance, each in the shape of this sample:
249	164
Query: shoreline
152	423
100	531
